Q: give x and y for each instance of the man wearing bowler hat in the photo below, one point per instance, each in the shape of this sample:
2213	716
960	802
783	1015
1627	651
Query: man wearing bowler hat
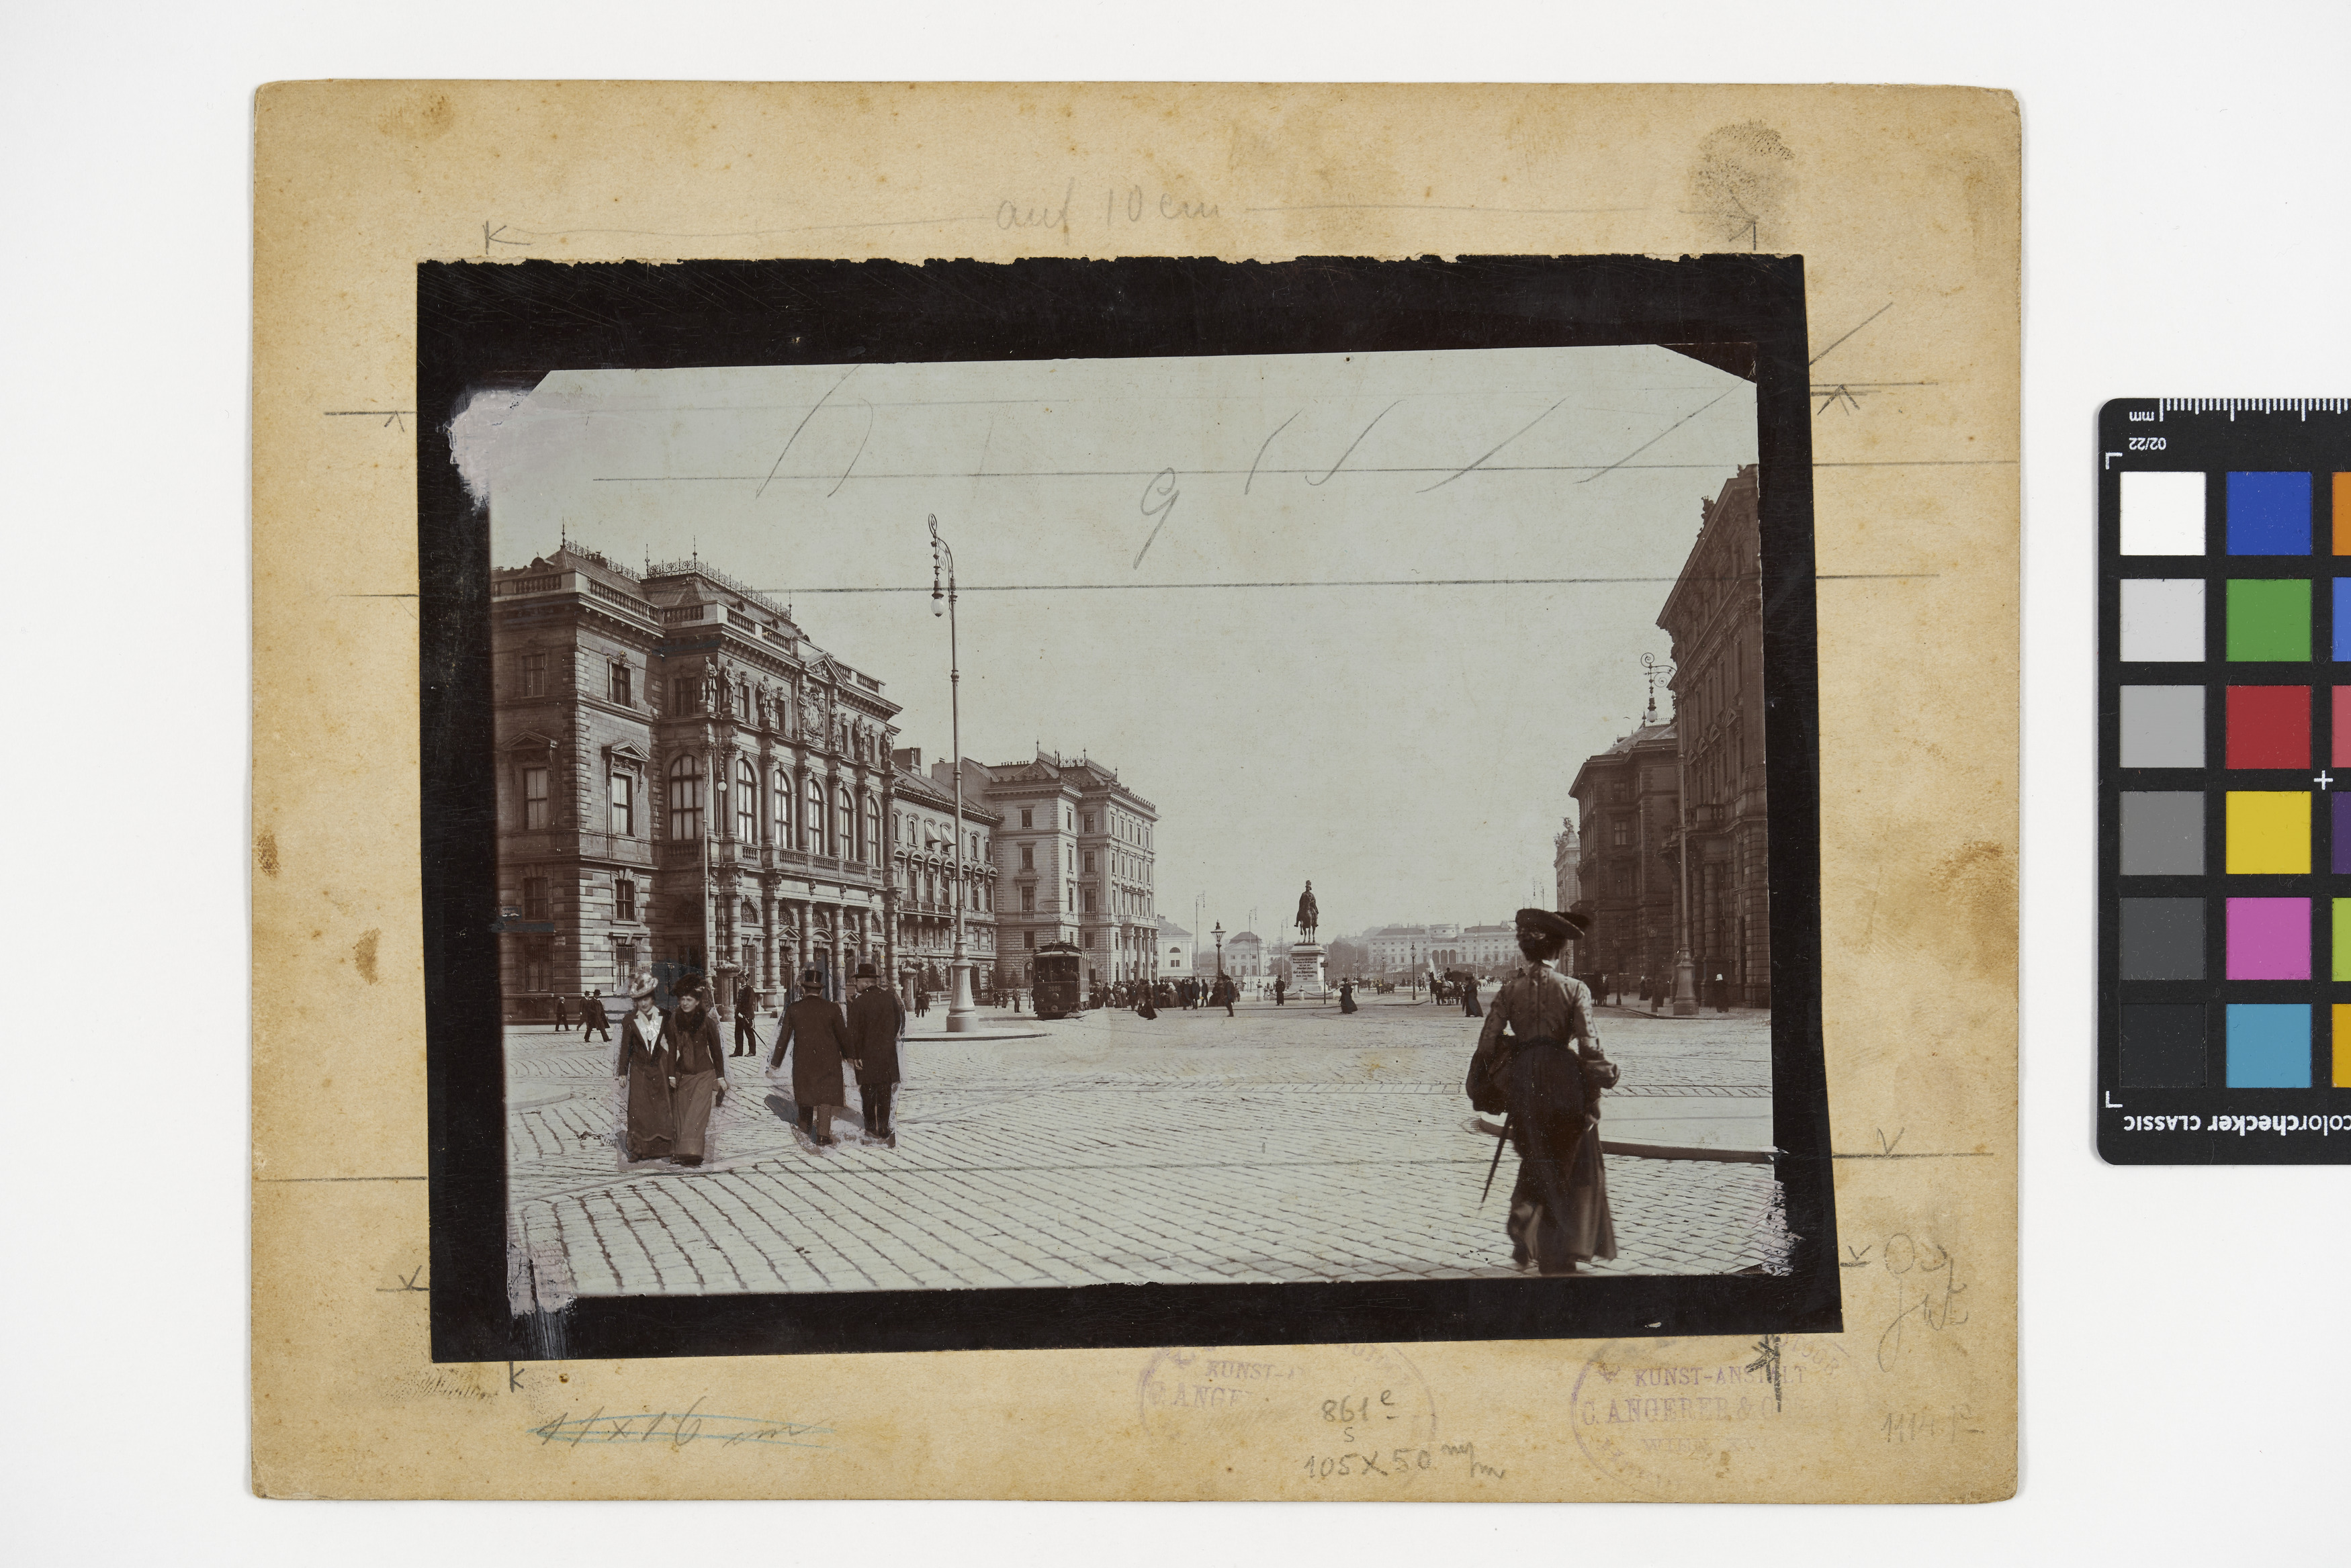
1537	1048
875	1021
817	1033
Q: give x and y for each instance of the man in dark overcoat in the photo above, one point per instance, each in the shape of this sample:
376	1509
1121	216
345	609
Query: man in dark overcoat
593	1019
746	1003
1537	1045
875	1021
817	1033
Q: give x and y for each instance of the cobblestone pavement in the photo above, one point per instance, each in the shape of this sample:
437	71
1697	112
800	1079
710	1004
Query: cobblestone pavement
1287	1144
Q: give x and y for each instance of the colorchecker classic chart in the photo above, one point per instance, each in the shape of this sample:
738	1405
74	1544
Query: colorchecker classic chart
2224	752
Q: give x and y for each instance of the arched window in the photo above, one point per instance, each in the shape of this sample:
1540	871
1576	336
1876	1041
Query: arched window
686	796
746	802
812	819
844	824
873	832
750	914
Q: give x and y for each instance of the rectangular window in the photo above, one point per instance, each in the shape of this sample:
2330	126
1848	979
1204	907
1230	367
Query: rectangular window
1090	822
624	900
625	806
1027	858
1027	900
620	682
1028	817
686	692
538	964
534	898
1090	900
534	797
1620	834
1090	862
534	675
1028	938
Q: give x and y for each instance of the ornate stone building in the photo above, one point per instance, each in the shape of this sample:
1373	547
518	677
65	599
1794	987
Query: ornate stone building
1625	802
684	782
923	858
1714	615
1076	862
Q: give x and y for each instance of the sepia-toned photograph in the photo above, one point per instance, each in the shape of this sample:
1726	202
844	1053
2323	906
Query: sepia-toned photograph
998	824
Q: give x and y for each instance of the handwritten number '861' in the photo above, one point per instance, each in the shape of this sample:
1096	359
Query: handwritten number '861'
1356	1407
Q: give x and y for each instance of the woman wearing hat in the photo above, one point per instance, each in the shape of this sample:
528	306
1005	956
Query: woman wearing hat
699	1068
1549	1071
647	1064
817	1033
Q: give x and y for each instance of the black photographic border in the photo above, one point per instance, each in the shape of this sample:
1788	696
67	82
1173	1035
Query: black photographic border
487	325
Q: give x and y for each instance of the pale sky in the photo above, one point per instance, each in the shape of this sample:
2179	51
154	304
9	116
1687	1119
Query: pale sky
1293	673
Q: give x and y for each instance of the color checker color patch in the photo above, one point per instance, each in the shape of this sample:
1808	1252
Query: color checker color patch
2224	782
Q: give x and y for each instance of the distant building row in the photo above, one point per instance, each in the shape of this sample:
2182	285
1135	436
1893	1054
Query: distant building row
684	780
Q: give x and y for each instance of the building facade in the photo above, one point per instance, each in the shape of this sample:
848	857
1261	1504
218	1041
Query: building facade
923	828
1566	868
1626	805
1244	956
1077	856
1714	615
1490	950
685	782
1174	950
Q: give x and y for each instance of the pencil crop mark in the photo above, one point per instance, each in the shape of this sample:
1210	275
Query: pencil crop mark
1840	342
859	453
796	434
1353	444
1658	437
1494	448
1261	451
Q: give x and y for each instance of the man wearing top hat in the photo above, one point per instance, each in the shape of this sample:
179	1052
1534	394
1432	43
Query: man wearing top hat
1538	1049
875	1021
817	1033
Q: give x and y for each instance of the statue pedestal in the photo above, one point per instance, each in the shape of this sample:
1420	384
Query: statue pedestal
1306	971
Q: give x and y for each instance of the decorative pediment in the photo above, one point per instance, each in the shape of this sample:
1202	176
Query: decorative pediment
532	741
626	756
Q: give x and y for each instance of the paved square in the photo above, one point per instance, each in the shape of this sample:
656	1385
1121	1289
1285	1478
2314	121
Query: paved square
1284	1144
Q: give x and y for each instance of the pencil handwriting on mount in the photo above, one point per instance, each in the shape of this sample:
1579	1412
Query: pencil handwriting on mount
1123	206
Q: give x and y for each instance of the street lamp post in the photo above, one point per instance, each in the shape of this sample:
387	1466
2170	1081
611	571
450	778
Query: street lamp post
962	1017
1220	935
1685	968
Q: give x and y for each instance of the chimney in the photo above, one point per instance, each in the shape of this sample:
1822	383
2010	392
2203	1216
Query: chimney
909	758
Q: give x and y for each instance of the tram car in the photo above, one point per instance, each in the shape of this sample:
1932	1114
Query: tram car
1057	980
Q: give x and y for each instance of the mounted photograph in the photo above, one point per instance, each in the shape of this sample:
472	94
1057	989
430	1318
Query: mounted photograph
1119	802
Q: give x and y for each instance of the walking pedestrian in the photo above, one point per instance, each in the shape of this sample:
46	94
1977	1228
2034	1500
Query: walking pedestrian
747	1007
592	1019
562	1019
699	1084
875	1021
1539	1055
1470	1008
817	1033
646	1064
1230	992
1346	995
1280	988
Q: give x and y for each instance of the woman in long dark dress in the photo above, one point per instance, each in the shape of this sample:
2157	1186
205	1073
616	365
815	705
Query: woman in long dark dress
1346	996
646	1062
699	1065
1470	1008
